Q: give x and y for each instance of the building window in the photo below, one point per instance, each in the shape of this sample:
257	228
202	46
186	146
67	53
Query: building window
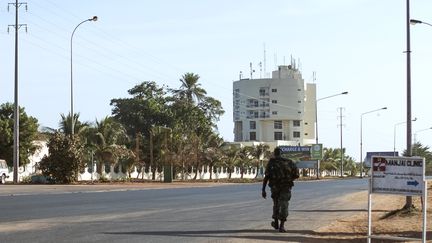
274	101
252	124
252	136
274	112
237	93
262	92
252	103
277	135
299	101
296	123
277	124
296	134
274	90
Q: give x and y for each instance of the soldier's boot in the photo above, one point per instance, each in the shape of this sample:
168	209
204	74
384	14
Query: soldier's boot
281	226
275	224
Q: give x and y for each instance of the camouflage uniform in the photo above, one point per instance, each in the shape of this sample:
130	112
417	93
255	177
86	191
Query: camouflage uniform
280	173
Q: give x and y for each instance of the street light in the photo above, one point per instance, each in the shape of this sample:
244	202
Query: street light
71	74
415	21
361	137
316	122
422	130
394	135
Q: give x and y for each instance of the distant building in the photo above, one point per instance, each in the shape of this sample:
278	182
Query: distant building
279	110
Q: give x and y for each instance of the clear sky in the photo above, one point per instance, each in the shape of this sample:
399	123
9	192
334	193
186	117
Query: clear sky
352	45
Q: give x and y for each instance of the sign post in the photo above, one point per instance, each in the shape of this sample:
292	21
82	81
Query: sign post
401	176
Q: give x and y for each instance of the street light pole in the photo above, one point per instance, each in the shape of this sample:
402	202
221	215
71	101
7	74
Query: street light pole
415	21
394	135
361	137
316	123
408	202
422	130
71	75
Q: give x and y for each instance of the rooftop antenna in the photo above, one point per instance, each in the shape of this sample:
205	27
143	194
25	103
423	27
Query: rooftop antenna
251	70
265	63
293	63
313	76
260	65
240	75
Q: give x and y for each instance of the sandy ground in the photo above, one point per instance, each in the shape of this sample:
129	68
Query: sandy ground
355	228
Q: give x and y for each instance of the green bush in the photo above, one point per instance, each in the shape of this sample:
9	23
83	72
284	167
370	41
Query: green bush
65	159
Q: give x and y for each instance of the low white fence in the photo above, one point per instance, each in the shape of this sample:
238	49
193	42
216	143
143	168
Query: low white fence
112	173
202	174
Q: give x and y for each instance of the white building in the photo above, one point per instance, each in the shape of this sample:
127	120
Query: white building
279	110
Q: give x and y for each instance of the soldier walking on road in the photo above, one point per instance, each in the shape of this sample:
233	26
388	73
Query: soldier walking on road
280	174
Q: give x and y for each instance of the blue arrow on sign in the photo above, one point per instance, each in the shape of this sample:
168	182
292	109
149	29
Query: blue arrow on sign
412	183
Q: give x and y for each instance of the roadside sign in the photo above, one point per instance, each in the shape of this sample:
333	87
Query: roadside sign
367	160
302	155
398	175
316	151
296	153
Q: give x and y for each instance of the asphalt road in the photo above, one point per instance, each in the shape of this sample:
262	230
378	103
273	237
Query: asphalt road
229	213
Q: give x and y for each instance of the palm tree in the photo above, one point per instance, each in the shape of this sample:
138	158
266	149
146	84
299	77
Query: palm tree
245	159
213	151
421	150
261	152
65	124
330	160
107	140
190	88
230	157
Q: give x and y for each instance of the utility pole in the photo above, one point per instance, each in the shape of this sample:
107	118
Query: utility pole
408	201
341	144
16	105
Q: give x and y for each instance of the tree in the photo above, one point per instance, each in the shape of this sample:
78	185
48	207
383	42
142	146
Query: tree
107	140
245	160
261	152
65	160
213	151
161	143
190	88
230	157
423	151
28	133
331	161
65	124
148	107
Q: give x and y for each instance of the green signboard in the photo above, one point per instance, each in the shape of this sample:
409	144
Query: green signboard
302	153
316	152
296	153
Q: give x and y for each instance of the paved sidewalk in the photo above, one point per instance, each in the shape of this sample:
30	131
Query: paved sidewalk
34	189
